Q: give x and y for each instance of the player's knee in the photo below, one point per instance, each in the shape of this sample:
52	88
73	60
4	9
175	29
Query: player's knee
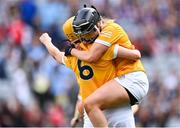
89	105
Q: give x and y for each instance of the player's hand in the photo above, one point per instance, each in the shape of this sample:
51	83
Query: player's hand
138	53
75	121
68	49
45	38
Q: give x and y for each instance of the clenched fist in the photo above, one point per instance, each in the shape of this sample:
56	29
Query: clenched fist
45	38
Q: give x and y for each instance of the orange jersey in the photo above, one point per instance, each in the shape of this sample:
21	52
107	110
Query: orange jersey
112	33
91	76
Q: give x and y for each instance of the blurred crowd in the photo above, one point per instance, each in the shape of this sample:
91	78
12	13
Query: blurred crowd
36	91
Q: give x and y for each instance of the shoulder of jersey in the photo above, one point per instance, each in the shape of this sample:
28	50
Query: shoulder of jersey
110	29
114	25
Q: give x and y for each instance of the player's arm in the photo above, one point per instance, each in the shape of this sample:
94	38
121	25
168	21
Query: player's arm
53	51
97	51
75	119
132	54
92	55
78	113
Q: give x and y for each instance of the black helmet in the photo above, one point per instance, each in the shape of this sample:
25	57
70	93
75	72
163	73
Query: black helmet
85	20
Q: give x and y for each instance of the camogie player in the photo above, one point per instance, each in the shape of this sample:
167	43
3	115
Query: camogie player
130	86
92	76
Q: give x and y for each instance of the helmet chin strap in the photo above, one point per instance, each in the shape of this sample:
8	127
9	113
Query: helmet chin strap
79	37
90	41
75	41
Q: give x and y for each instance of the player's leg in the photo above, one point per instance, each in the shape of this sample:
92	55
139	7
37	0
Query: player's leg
128	89
135	108
116	117
111	94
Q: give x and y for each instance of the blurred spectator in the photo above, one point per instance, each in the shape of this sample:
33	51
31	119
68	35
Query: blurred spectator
28	11
3	72
55	115
16	25
53	12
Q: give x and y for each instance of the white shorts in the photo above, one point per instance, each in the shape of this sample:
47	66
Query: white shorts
117	117
136	83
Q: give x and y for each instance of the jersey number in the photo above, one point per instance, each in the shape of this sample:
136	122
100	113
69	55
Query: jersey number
82	69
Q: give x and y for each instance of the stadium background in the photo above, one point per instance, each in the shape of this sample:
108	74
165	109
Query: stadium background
36	91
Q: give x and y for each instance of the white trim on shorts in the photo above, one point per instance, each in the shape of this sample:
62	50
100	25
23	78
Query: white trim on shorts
136	83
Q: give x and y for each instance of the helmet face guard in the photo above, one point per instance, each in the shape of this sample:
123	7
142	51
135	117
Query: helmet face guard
85	21
89	37
83	28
